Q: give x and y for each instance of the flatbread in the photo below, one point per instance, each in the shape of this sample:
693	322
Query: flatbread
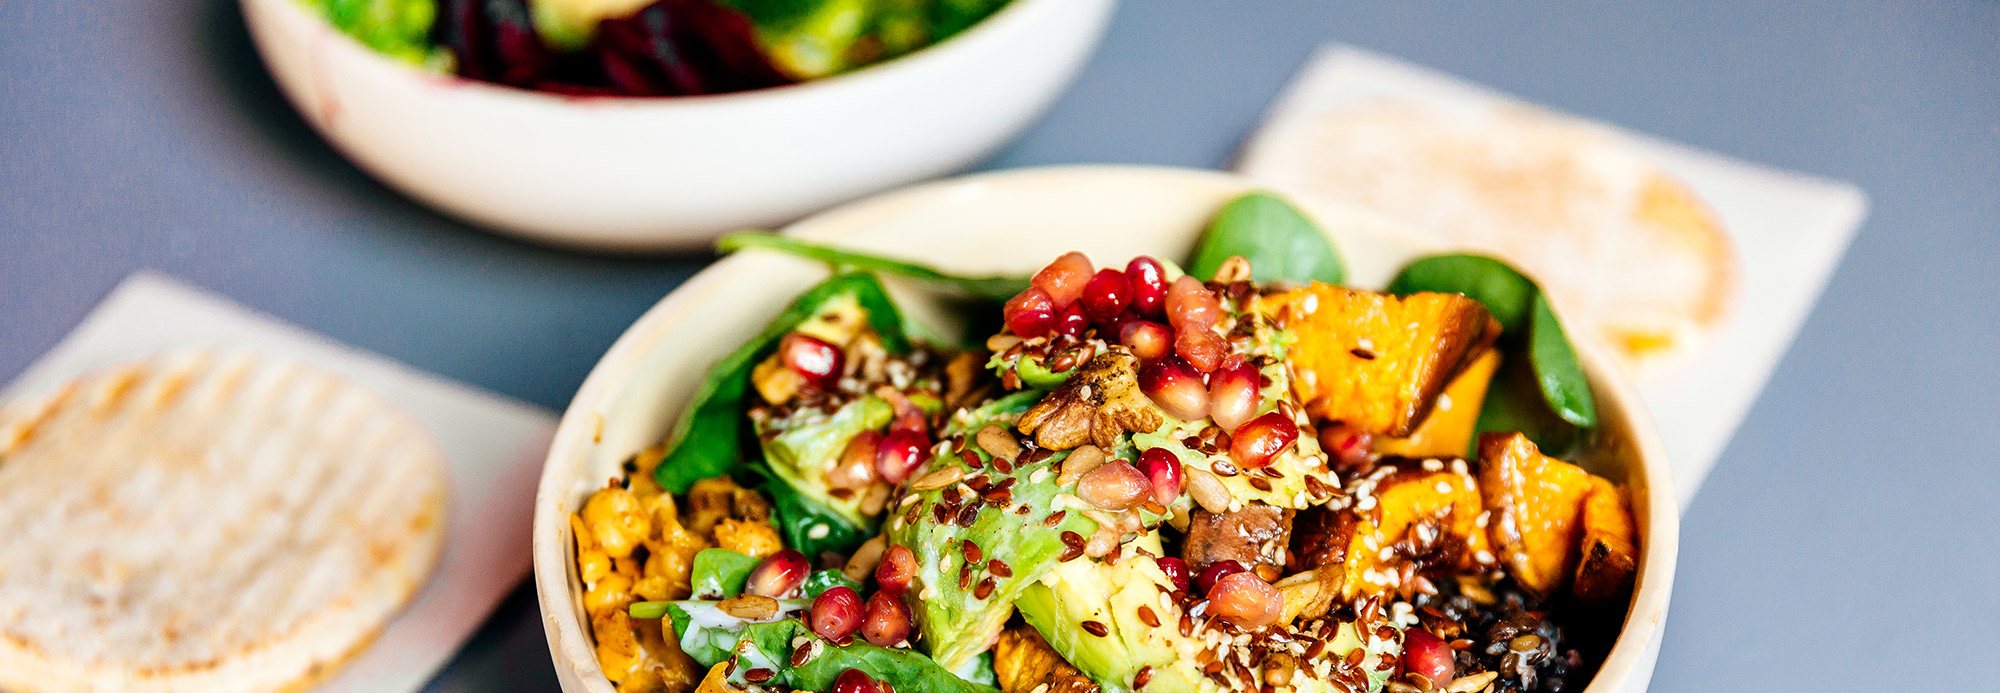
1623	247
207	521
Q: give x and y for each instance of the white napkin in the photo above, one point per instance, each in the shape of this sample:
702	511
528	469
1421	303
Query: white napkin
494	447
1790	228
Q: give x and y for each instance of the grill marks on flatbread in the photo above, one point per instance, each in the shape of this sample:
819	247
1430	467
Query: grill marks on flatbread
1622	246
207	521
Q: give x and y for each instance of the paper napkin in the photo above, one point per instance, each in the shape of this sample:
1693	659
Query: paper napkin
494	447
1790	228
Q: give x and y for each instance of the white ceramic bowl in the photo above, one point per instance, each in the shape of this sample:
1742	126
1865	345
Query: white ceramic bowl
647	174
1012	221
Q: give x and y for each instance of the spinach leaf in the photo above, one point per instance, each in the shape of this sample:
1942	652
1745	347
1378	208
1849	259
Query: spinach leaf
823	580
1279	242
1557	369
709	437
994	288
1530	327
710	639
719	573
809	526
1514	402
1505	292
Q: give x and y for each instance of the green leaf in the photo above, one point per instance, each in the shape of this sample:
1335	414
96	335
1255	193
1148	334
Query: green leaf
719	573
1530	327
709	437
398	28
823	580
648	610
994	288
1506	293
1557	369
710	639
810	526
1514	402
1279	242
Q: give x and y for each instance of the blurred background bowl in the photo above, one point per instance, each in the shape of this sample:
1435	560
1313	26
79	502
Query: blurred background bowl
1012	222
666	173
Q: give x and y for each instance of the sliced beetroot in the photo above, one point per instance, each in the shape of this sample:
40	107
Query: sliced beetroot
495	41
683	47
668	48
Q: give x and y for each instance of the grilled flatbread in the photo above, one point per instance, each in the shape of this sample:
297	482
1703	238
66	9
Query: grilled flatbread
207	521
1624	249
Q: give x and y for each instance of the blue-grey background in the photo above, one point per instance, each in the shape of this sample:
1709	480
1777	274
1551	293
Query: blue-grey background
1845	542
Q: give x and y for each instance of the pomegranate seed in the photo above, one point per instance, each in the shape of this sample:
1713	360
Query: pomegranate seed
909	416
897	569
1176	387
855	681
1107	294
901	453
811	357
1149	340
1233	395
836	613
1030	313
1176	570
1215	572
1149	286
1246	600
1189	303
1063	279
1256	443
1163	471
1114	486
778	575
1427	654
1201	348
1349	447
856	468
1072	321
887	622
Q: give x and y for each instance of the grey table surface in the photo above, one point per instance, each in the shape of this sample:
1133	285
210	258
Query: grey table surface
1846	541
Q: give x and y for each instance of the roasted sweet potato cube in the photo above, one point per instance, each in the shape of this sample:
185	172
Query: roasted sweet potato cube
1413	513
1536	502
1376	361
1024	662
1447	432
1610	554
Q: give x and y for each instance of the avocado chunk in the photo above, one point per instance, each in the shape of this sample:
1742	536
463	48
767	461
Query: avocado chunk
976	549
801	450
1101	616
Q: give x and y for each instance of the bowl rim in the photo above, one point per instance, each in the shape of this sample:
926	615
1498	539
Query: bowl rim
1632	654
1015	12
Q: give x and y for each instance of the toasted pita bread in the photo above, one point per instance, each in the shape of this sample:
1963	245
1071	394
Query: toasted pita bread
207	521
1624	249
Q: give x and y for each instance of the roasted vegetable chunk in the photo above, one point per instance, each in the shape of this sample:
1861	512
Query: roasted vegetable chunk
1447	432
1375	361
1412	516
1536	503
1255	535
1610	547
1024	662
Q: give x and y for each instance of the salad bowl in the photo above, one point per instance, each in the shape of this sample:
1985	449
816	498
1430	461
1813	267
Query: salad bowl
663	173
1010	222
